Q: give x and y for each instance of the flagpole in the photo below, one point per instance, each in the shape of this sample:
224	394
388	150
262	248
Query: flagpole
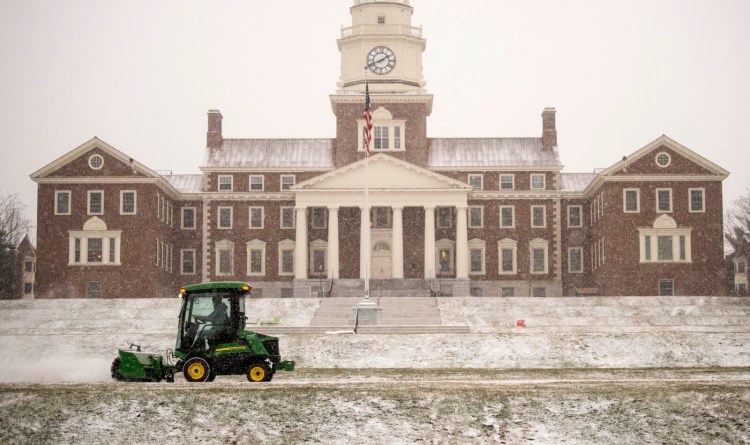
367	204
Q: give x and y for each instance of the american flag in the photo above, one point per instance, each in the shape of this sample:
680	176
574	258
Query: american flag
368	121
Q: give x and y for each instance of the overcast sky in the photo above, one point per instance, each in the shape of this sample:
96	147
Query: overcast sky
141	75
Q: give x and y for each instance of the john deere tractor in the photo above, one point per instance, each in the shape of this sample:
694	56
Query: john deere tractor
211	341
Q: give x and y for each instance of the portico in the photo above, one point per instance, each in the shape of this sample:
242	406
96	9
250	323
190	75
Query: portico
395	187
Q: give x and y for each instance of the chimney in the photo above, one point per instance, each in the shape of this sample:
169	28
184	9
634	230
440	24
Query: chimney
549	130
213	136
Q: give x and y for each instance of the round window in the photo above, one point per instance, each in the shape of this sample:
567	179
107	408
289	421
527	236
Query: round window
663	159
96	162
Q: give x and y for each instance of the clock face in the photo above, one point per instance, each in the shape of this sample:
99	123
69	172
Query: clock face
381	60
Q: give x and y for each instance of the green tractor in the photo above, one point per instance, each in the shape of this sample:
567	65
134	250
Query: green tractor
211	341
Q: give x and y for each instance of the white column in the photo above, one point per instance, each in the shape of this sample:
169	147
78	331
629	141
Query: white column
429	243
462	243
333	243
300	247
364	250
397	250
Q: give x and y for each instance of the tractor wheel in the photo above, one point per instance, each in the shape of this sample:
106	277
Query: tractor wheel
196	369
116	370
259	372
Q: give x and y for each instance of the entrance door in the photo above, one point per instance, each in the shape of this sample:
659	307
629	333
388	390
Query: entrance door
381	261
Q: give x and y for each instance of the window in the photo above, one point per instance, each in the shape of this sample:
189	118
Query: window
319	217
476	217
631	200
507	182
444	217
287	182
741	289
256	258
94	245
539	292
663	200
188	218
93	289
28	266
256	183
62	202
507	217
475	181
397	138
663	159
226	183
697	200
187	260
256	217
96	162
445	255
665	242
318	258
28	288
476	256
740	266
537	181
382	217
96	202
286	258
575	218
507	252
224	258
381	20
508	292
538	216
127	202
666	288
287	217
575	260
538	252
381	139
388	134
225	218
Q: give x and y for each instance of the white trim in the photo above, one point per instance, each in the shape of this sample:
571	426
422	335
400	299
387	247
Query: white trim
94	228
250	183
322	211
544	216
224	245
660	154
476	175
281	217
285	245
478	244
580	216
182	262
219	183
570	251
500	181
281	182
182	218
438	219
512	214
481	217
91	164
542	244
450	246
317	246
531	181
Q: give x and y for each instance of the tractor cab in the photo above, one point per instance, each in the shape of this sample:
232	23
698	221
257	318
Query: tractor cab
211	315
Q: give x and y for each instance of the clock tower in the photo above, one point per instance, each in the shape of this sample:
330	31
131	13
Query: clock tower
382	47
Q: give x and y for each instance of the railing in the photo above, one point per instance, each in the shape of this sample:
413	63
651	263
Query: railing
362	2
402	30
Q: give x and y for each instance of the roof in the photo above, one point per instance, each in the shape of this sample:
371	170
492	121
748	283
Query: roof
185	183
491	152
272	153
576	182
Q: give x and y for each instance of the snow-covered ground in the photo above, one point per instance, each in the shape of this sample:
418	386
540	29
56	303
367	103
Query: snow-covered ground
491	386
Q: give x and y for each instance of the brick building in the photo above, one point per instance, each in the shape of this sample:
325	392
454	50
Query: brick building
459	216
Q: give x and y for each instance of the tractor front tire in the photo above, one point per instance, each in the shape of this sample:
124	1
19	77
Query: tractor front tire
196	369
259	372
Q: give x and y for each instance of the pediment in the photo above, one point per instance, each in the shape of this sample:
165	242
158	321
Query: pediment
664	156
384	173
75	163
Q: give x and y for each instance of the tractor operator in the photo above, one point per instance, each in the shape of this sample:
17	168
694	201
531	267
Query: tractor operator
219	320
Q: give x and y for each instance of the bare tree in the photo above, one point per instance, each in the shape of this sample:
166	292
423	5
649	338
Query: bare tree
737	222
13	227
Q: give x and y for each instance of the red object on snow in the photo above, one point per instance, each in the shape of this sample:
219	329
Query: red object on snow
521	323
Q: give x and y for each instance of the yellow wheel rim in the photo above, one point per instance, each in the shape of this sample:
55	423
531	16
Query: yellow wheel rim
257	373
196	371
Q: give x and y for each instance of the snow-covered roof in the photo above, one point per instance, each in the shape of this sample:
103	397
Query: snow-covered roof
185	183
491	152
272	153
576	182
